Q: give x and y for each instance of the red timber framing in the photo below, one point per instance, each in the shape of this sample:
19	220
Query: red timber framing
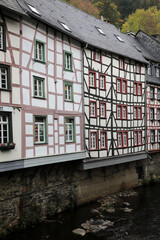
153	117
43	68
120	99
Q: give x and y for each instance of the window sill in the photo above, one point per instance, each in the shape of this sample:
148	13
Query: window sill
42	98
43	62
71	101
43	143
67	70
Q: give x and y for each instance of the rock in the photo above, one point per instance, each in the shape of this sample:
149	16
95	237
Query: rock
79	231
126	203
128	210
95	211
110	210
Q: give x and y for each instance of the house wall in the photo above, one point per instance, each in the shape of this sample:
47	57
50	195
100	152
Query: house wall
155	123
110	67
21	33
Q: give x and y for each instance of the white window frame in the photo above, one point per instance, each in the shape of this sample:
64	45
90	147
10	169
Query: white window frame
69	130
124	110
92	109
92	76
135	137
39	87
39	51
3	78
102	81
102	110
4	126
124	86
103	140
97	55
119	139
68	60
125	139
93	140
119	85
40	123
149	71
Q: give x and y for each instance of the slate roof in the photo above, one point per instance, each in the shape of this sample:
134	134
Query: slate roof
147	53
82	25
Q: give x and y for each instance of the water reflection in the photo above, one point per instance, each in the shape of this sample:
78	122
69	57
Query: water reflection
140	224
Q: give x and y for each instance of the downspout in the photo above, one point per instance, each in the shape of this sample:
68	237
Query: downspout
84	135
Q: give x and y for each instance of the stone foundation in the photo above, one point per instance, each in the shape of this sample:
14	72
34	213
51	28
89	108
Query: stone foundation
31	194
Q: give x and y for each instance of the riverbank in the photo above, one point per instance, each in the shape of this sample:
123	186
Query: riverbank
107	216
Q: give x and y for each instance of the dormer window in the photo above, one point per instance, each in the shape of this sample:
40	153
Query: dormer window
149	71
97	55
65	26
138	68
122	64
157	72
100	30
33	9
119	38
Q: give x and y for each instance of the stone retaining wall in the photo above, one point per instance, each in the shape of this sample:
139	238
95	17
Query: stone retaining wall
34	193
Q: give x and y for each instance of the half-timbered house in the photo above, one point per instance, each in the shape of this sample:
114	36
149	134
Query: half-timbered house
52	55
150	49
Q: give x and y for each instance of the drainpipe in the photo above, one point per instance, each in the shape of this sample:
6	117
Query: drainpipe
84	141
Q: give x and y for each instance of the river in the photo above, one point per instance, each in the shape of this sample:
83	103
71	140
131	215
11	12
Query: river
132	216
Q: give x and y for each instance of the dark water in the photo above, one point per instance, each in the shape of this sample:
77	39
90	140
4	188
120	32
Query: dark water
143	223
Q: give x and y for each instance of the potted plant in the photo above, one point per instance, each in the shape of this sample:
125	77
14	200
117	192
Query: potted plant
7	146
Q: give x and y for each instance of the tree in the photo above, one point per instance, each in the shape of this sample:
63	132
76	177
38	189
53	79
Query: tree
147	21
109	11
85	6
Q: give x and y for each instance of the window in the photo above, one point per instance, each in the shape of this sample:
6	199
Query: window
92	79
33	9
119	38
39	51
151	114
121	85
2	38
158	114
100	30
102	81
138	68
158	136
121	112
68	61
152	136
93	109
157	72
97	55
68	91
39	91
102	110
137	137
158	94
137	88
40	129
149	70
137	112
122	64
69	129
103	139
5	128
65	26
122	139
152	92
4	77
93	140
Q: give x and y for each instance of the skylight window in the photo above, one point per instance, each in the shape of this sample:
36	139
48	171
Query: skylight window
100	30
137	48
65	26
119	38
33	9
